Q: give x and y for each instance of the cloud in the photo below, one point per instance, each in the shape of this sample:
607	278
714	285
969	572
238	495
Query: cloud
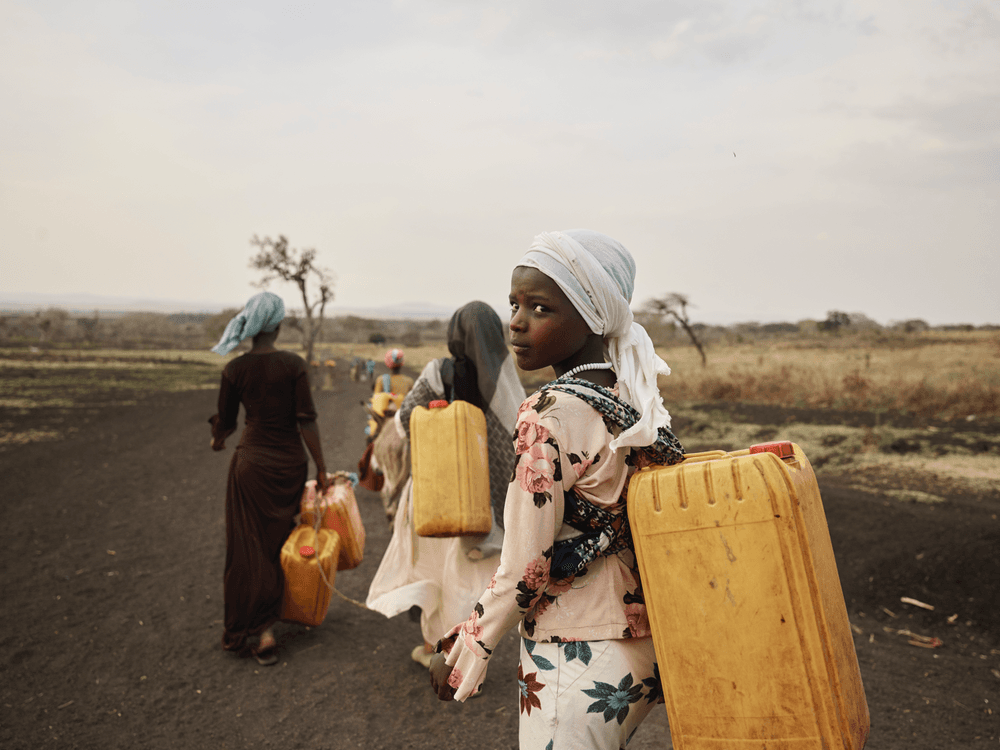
149	142
970	118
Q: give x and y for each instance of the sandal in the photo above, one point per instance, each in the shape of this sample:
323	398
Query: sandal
266	651
266	657
421	657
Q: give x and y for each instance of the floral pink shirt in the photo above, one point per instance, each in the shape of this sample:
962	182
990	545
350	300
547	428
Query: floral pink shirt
561	442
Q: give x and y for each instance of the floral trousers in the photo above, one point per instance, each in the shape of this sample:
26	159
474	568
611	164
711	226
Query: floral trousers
585	694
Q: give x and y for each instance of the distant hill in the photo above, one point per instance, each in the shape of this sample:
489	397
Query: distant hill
81	302
87	303
404	310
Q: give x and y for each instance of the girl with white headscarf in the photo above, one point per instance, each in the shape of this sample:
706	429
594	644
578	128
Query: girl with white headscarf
568	575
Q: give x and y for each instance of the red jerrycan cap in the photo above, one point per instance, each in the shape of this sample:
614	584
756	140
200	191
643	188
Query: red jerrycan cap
438	404
780	448
307	551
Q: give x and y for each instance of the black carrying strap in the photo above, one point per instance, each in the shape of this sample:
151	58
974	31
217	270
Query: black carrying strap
448	378
460	382
604	533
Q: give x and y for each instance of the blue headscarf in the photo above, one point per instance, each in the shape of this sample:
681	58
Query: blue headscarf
263	312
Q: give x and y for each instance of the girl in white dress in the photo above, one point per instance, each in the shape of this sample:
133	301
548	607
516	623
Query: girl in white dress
445	577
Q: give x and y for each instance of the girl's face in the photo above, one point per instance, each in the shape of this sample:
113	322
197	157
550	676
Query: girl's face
545	328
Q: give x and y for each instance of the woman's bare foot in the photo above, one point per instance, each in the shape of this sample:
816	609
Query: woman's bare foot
267	640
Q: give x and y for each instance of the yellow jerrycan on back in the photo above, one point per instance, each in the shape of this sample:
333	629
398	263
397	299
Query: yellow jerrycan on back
381	404
749	624
451	474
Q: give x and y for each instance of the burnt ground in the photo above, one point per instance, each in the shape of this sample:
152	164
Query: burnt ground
113	545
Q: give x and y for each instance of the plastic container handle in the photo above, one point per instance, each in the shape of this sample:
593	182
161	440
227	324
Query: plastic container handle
780	448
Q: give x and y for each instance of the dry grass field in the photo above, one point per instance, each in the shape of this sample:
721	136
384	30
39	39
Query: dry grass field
931	403
906	386
925	409
934	375
896	416
42	391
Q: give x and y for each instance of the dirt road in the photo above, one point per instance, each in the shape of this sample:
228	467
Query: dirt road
113	545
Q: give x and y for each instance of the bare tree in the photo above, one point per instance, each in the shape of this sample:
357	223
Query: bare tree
278	261
675	307
836	321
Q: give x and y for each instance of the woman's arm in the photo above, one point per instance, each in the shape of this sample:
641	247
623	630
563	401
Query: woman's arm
224	421
310	434
305	414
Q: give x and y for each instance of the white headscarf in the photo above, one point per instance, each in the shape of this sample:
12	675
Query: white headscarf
597	274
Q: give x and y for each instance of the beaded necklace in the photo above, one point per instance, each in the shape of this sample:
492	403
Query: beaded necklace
588	366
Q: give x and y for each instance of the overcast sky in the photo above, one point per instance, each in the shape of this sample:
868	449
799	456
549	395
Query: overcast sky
419	145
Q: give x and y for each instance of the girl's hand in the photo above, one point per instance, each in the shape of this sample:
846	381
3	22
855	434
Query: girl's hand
440	672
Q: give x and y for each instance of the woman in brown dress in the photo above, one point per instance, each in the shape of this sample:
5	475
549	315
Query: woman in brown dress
267	473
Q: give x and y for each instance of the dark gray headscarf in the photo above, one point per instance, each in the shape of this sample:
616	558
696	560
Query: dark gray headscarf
478	347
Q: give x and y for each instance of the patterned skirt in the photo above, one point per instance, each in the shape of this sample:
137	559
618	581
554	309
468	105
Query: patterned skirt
585	694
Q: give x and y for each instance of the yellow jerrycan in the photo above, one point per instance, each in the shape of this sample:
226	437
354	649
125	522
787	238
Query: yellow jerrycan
309	561
382	403
338	509
451	473
748	617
